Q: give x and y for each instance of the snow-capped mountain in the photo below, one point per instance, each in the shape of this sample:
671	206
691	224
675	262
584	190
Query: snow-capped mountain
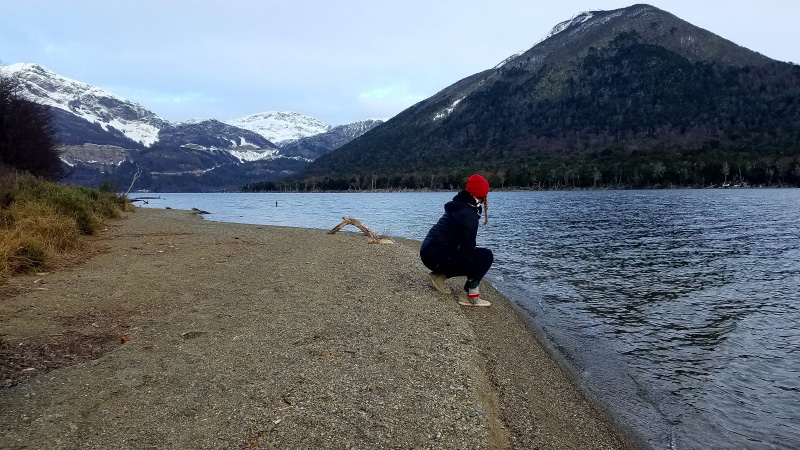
107	137
87	114
281	127
92	104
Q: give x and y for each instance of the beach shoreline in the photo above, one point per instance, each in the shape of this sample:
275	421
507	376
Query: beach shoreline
217	335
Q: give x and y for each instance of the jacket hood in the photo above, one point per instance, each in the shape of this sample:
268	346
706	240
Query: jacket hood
465	197
461	200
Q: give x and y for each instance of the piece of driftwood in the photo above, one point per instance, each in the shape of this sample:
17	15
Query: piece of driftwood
374	238
135	177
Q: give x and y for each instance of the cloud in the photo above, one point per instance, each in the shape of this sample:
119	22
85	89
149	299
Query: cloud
398	91
169	104
387	101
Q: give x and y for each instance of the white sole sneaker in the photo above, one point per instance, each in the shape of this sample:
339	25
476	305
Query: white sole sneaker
463	301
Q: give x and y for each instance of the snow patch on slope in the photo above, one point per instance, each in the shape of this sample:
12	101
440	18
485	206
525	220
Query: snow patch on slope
446	112
254	155
507	60
193	121
580	22
575	20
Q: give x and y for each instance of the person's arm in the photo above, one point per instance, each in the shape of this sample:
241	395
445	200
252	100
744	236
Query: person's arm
467	233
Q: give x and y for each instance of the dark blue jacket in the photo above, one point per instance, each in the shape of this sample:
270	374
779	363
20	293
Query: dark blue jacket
455	232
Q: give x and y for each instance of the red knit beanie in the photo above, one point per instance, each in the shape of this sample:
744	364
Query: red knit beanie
477	186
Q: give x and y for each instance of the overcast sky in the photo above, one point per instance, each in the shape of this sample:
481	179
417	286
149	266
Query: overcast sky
338	61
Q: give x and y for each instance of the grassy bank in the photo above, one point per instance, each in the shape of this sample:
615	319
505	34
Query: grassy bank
42	221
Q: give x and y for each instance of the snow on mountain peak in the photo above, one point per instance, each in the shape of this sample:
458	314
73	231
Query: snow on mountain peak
281	126
87	102
505	61
580	23
575	20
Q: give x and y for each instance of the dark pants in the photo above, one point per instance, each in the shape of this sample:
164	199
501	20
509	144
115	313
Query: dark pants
453	266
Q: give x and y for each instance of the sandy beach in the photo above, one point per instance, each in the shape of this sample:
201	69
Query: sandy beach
183	333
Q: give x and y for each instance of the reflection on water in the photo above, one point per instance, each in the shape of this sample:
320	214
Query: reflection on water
678	309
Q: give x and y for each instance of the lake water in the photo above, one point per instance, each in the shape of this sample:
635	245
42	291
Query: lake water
678	310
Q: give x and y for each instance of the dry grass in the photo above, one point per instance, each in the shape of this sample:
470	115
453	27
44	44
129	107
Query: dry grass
42	222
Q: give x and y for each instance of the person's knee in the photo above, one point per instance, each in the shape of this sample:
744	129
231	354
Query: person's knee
486	255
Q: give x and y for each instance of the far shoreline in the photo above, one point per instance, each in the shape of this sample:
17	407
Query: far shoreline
133	195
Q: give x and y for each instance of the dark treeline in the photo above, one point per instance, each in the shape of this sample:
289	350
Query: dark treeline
27	135
713	169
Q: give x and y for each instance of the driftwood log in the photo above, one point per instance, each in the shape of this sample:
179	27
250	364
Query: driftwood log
374	238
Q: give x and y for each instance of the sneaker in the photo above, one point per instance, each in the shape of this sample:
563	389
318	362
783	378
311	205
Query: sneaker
465	300
438	282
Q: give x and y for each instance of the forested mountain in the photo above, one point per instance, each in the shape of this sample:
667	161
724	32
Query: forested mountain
634	97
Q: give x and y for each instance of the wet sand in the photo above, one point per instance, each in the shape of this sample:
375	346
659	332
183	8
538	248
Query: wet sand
186	333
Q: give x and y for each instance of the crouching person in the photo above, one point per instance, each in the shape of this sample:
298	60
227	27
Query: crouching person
449	249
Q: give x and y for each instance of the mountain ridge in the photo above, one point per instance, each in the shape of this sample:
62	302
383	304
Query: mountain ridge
106	137
136	122
312	147
636	86
581	28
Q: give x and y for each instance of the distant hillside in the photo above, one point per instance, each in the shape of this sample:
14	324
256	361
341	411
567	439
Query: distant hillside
634	97
312	147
